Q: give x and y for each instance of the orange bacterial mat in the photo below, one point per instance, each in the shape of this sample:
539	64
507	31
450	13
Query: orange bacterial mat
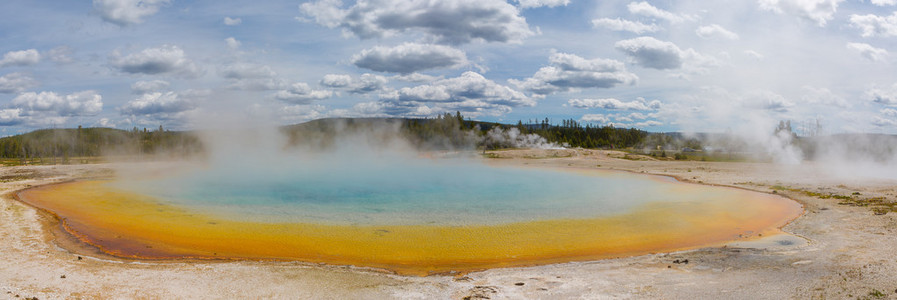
137	226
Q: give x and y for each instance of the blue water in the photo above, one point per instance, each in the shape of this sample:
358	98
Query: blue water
418	191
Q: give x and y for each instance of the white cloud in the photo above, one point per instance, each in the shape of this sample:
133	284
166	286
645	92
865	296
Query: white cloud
257	84
868	51
368	83
767	101
754	54
884	2
626	122
622	119
637	116
612	104
105	122
883	122
595	118
370	109
173	108
447	21
409	58
301	93
16	83
232	43
50	109
159	104
646	9
471	93
635	119
301	113
697	63
569	71
823	96
873	25
365	84
20	58
336	80
625	25
127	12
468	86
83	103
416	77
541	3
819	11
232	21
11	117
887	96
328	13
250	76
167	59
652	53
715	31
144	87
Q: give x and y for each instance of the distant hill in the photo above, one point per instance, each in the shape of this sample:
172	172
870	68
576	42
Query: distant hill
443	132
88	142
448	131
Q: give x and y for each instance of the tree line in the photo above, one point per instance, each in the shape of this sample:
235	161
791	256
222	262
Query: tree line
92	142
446	131
456	131
572	133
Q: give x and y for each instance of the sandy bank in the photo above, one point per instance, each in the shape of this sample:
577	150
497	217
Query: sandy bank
849	253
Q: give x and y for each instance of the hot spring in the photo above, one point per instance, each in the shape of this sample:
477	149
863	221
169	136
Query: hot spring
414	216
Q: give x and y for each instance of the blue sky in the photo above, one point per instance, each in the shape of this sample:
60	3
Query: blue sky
705	66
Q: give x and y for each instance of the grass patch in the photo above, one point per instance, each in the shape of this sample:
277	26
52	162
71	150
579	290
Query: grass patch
875	294
878	205
491	155
779	188
12	178
548	154
46	161
692	156
810	193
633	157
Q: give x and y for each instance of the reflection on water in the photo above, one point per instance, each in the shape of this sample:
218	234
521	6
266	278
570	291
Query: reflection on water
424	192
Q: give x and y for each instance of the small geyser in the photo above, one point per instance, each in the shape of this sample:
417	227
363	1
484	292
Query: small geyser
387	207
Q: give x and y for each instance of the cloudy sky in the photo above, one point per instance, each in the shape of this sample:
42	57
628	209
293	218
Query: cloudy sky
707	66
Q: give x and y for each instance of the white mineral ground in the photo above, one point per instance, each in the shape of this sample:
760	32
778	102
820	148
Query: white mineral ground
845	251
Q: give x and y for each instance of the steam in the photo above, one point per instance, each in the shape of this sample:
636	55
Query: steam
872	156
839	156
781	147
280	148
340	167
498	137
775	145
778	146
